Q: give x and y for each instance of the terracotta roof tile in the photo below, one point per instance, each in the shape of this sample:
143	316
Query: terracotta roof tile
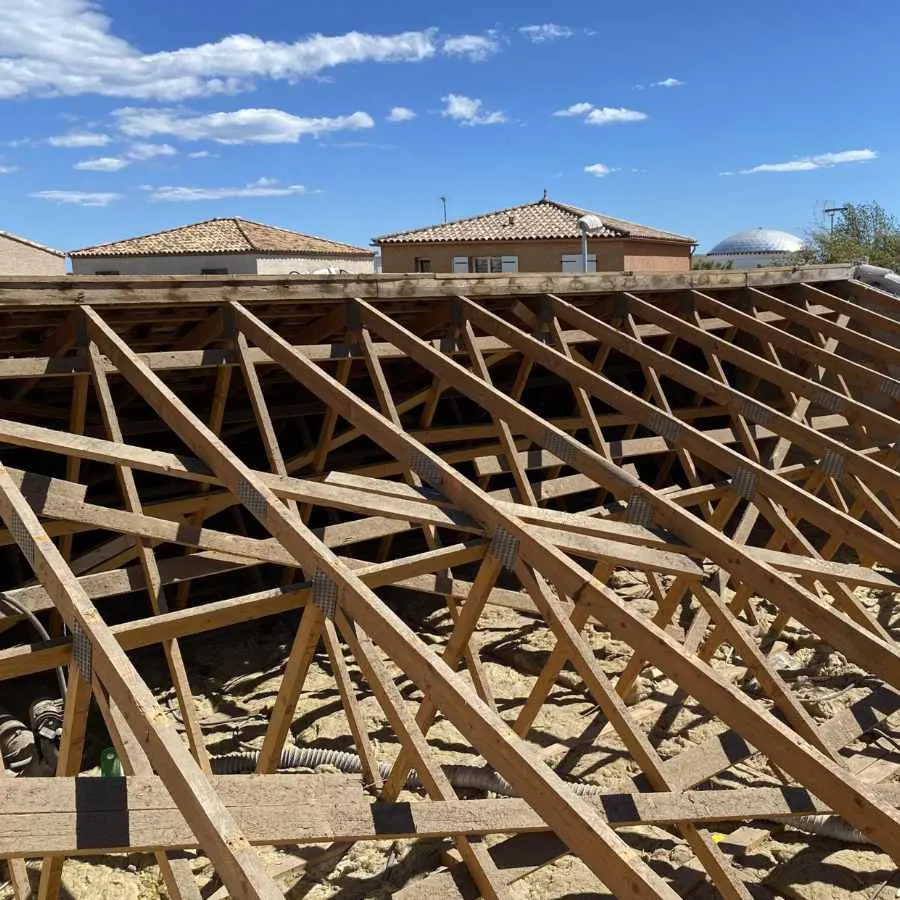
544	220
223	236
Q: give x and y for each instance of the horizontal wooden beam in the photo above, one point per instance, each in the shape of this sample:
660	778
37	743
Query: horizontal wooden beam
71	291
93	816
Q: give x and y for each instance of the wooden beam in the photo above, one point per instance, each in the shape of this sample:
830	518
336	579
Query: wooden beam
94	816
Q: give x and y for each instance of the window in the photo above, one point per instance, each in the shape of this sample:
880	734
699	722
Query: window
571	262
214	271
485	264
423	264
107	272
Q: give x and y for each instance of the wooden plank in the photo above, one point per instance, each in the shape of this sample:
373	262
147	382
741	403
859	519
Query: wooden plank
136	291
93	816
152	579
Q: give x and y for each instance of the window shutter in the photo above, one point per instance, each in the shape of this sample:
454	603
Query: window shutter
509	264
461	264
571	262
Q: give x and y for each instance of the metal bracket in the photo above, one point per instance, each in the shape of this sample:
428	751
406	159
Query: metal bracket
425	467
82	651
755	412
685	305
666	427
828	399
253	500
639	511
354	317
324	593
23	537
229	323
82	338
504	547
891	387
832	463
620	306
557	445
744	483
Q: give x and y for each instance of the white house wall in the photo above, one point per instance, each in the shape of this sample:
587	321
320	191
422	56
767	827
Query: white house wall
184	264
235	263
304	265
17	258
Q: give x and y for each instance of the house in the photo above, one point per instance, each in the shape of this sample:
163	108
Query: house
535	237
230	246
19	256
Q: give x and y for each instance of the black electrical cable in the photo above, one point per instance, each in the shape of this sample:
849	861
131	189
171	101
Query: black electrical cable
41	632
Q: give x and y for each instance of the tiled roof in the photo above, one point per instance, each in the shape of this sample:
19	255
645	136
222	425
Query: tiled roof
223	236
35	244
544	220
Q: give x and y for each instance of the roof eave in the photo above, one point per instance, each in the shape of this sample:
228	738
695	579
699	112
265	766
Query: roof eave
93	254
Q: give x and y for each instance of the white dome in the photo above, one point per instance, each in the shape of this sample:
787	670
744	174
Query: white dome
763	241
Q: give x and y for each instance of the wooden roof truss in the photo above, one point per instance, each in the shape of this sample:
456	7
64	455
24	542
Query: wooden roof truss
510	446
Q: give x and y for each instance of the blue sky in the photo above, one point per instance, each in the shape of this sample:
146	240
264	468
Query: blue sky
121	117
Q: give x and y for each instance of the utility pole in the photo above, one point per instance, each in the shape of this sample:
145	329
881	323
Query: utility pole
830	211
444	204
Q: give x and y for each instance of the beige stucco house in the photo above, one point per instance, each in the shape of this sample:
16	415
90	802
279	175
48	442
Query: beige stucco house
535	237
222	247
19	256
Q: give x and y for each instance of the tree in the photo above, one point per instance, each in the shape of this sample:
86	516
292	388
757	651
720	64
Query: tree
862	231
704	263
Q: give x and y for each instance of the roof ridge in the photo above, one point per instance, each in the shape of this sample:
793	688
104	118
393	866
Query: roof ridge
543	219
136	237
494	212
29	243
294	231
244	235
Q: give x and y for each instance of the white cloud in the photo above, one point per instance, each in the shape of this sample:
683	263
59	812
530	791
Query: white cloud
576	109
202	154
150	151
469	111
137	153
607	115
598	169
668	83
400	114
79	139
539	34
102	164
475	47
262	187
78	198
809	163
601	115
8	170
67	47
243	126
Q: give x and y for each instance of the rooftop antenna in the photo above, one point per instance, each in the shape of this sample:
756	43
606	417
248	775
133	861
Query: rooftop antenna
546	195
444	204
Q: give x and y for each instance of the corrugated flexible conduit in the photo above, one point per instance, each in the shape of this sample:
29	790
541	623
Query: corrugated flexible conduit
478	779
